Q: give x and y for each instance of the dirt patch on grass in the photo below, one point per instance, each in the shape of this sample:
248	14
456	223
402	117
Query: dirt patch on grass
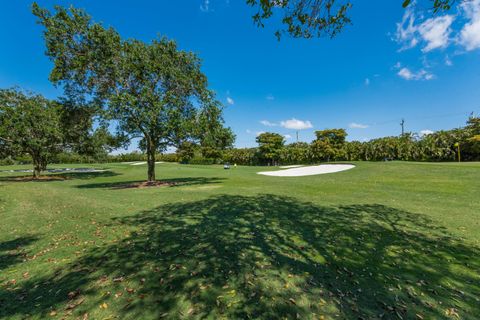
39	179
145	184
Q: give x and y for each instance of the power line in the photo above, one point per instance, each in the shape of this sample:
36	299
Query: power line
467	113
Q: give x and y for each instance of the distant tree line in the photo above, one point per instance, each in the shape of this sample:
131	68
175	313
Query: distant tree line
331	145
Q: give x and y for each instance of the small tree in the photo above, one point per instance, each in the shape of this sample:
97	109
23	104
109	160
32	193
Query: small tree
30	124
153	91
270	146
329	144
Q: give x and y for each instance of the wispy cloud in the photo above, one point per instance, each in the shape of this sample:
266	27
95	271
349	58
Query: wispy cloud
205	6
406	31
440	32
421	74
270	97
448	61
268	123
287	136
230	101
367	82
434	33
355	125
296	124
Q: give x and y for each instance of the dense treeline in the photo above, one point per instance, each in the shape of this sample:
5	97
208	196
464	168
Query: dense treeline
331	145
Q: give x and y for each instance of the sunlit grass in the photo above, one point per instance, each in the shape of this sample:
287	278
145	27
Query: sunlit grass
383	240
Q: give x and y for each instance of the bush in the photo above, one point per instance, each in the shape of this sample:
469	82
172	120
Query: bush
198	160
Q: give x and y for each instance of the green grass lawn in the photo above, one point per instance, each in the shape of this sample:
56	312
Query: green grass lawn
384	240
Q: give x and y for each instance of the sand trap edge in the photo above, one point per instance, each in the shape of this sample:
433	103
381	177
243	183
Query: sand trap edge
308	171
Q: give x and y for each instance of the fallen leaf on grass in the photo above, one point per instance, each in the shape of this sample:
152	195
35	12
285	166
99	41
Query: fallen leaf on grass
75	304
452	312
104	306
73	294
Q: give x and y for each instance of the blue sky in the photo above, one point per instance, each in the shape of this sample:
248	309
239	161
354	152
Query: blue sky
390	64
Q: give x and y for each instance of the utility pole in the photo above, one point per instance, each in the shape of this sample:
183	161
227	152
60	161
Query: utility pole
297	136
402	123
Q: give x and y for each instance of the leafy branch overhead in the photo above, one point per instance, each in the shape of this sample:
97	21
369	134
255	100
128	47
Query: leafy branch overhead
317	18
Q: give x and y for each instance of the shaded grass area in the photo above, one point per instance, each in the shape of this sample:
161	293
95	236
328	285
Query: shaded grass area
174	182
264	257
381	241
58	176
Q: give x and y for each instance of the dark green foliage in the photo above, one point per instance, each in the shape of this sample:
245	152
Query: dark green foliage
78	120
244	156
296	153
270	146
305	18
30	124
329	145
186	151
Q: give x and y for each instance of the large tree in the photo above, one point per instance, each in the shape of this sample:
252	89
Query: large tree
30	124
153	91
316	18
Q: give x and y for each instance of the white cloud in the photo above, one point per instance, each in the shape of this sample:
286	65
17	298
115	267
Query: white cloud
230	101
421	74
287	136
205	6
470	34
354	125
434	32
270	97
367	81
448	61
406	31
296	124
425	132
259	133
268	123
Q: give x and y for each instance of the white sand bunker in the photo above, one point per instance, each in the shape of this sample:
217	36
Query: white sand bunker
142	163
138	163
309	171
289	167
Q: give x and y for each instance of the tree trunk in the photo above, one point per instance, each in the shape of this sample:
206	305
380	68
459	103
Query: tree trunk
151	148
37	168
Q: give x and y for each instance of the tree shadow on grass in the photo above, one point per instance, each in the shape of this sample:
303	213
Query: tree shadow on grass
13	251
176	182
60	176
266	257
